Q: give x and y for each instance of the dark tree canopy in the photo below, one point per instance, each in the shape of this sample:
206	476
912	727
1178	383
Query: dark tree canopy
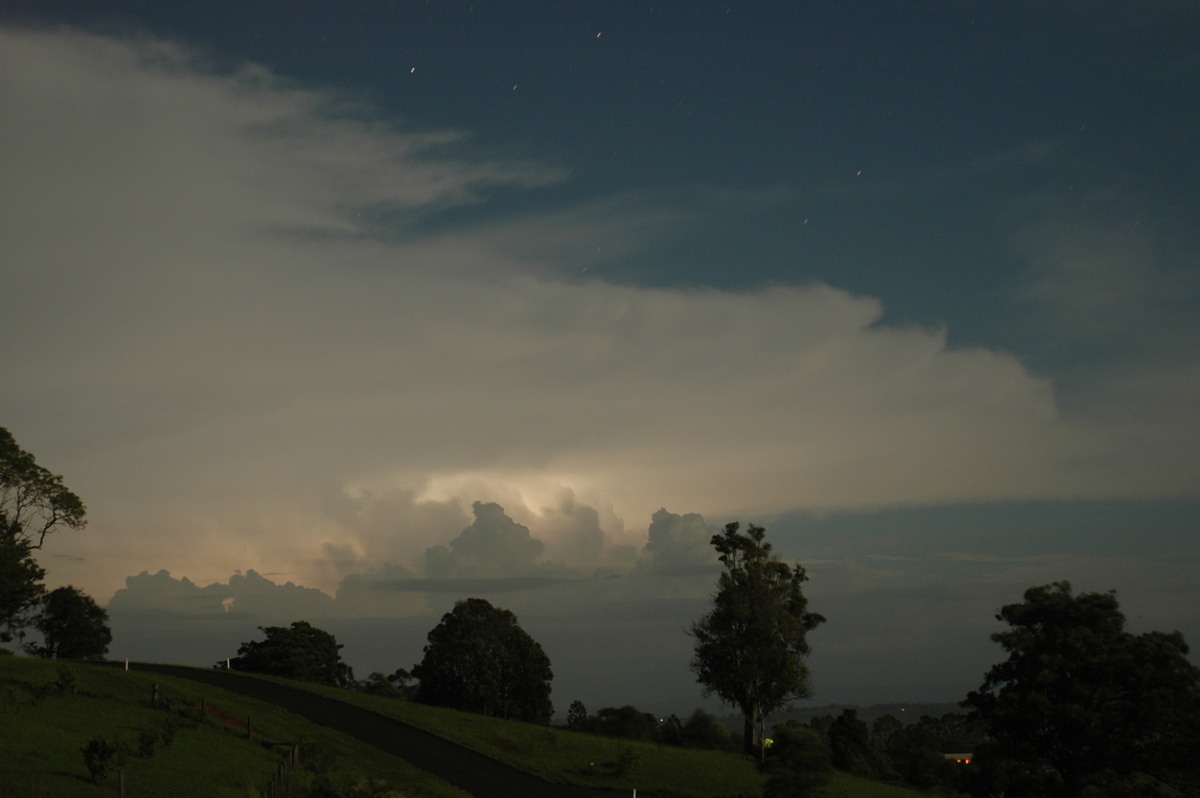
72	625
1083	700
851	749
33	503
300	651
479	659
627	722
751	646
704	730
20	582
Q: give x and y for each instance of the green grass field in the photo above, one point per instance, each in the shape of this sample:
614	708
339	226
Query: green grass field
49	711
569	757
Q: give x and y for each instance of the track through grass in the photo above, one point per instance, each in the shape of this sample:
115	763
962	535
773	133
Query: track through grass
49	711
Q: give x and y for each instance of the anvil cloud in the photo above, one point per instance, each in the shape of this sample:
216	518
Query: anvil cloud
265	327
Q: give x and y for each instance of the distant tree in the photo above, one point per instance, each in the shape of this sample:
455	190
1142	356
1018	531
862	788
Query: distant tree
798	763
1084	700
850	747
300	651
479	659
670	730
703	730
822	724
72	627
577	715
33	503
751	646
884	729
917	751
626	722
393	685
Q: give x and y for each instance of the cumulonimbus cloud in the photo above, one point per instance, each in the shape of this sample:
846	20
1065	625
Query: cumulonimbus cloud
237	366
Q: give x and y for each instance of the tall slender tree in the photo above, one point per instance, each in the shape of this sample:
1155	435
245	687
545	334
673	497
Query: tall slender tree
751	646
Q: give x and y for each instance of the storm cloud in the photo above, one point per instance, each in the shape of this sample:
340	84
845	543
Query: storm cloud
266	329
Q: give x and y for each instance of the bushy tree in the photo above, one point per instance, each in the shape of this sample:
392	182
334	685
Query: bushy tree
703	730
33	503
72	626
798	764
300	651
751	646
885	728
479	659
1084	700
850	746
626	722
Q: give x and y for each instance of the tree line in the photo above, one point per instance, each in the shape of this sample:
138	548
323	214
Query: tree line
1079	706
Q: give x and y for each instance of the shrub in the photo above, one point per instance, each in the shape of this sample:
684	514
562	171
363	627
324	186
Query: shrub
66	683
147	740
798	763
99	755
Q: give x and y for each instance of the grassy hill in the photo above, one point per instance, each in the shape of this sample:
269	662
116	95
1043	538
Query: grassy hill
571	758
50	711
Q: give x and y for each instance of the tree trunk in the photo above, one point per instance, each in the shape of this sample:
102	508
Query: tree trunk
752	736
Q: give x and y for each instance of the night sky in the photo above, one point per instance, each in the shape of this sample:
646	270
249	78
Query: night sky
345	311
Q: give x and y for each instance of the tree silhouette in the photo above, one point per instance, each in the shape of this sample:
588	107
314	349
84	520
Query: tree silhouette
300	651
1084	700
751	646
33	503
479	659
73	626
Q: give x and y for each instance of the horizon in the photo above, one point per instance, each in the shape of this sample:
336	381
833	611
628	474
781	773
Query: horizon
360	311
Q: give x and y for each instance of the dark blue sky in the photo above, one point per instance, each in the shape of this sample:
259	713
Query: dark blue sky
908	135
